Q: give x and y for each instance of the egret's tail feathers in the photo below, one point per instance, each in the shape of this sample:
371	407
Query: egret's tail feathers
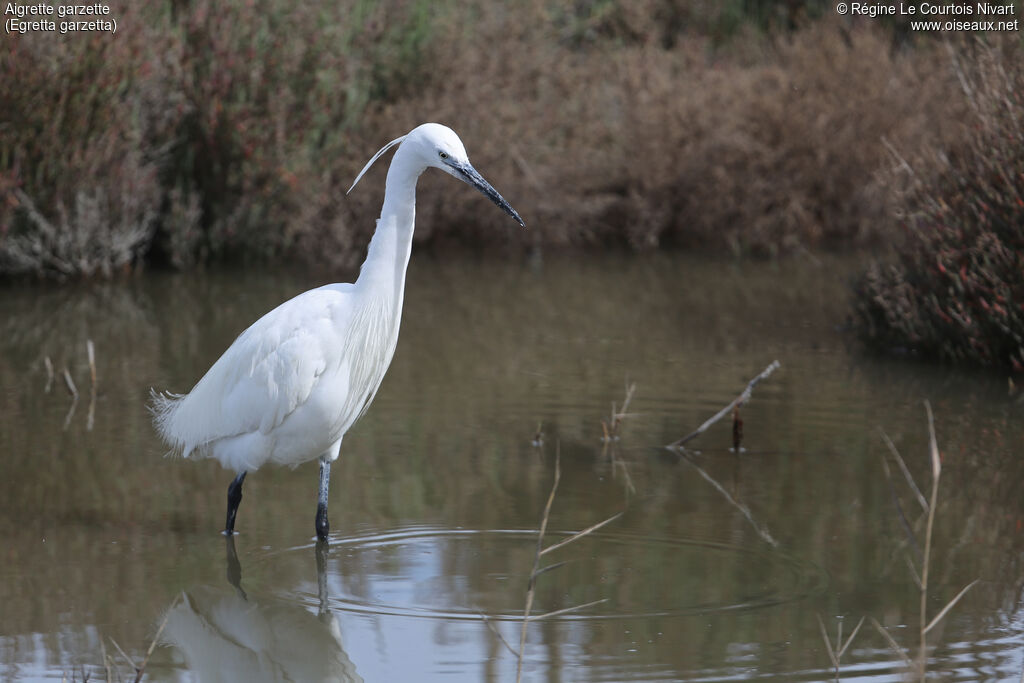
163	405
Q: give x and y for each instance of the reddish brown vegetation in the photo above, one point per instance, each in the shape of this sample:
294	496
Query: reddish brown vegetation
206	128
956	288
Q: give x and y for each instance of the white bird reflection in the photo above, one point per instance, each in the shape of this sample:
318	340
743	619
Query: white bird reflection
225	635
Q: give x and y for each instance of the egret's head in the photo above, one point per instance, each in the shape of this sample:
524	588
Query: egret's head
438	146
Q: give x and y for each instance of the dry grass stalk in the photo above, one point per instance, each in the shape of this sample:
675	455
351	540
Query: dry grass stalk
610	452
611	426
835	654
106	660
904	522
70	384
538	569
738	402
893	645
140	669
737	429
922	577
48	364
73	390
903	468
91	352
495	631
611	436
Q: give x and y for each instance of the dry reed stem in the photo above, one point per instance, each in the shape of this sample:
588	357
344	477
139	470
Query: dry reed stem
538	570
611	453
496	632
904	522
90	350
536	563
580	534
48	364
70	383
610	436
925	626
73	390
611	427
123	654
91	353
893	645
836	654
567	610
937	618
737	402
152	646
903	468
106	659
933	450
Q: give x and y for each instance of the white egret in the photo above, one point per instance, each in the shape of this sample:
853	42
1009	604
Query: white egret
291	385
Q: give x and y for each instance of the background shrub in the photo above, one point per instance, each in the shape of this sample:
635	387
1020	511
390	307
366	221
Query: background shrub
232	130
956	288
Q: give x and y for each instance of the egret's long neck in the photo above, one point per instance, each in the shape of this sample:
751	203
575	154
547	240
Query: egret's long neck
383	272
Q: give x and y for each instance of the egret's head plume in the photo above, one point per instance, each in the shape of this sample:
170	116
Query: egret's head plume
437	146
376	156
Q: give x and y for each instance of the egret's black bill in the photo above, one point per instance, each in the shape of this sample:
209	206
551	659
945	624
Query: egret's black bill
470	175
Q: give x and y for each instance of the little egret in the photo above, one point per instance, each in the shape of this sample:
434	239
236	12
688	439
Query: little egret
289	387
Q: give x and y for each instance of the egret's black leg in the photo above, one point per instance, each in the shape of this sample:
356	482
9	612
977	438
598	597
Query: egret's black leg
234	498
322	526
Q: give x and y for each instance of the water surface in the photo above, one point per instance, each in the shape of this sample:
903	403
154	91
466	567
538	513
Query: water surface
718	568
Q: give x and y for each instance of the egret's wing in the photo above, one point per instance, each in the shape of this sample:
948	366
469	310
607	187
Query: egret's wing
268	372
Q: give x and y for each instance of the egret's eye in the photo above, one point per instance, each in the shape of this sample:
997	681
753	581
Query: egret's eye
443	155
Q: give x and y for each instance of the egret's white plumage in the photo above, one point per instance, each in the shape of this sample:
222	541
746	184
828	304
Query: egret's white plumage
289	387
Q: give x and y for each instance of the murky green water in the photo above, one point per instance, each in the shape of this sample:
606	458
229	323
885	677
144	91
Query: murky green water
717	570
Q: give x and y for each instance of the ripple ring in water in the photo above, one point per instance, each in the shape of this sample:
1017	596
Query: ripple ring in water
457	574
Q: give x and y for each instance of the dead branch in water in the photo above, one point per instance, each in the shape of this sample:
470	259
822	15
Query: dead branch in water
736	403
